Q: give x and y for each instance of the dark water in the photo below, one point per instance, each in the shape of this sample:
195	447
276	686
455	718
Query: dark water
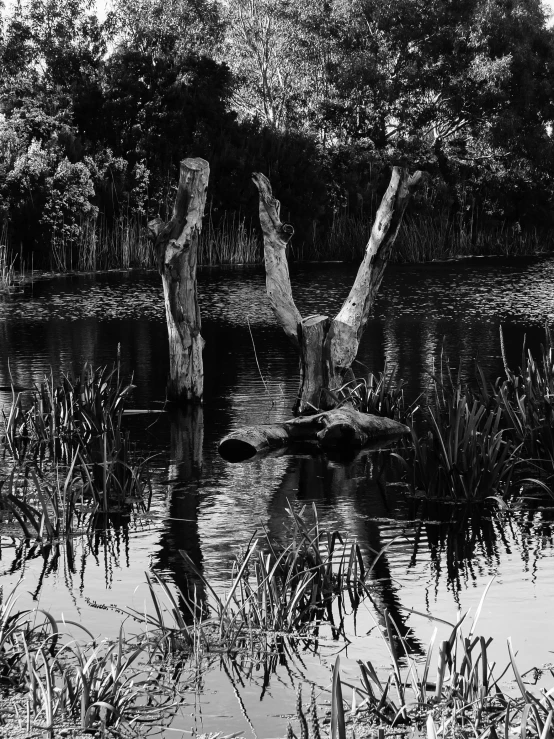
209	507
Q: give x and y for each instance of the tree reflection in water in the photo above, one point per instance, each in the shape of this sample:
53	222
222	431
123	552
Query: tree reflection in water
181	523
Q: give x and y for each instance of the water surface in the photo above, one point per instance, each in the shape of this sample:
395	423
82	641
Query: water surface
209	507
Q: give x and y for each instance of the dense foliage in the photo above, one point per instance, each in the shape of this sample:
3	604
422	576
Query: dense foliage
322	95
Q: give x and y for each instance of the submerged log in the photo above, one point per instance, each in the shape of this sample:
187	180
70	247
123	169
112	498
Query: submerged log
176	246
328	347
341	427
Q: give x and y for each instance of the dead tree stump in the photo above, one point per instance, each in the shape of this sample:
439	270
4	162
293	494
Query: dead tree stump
327	347
176	247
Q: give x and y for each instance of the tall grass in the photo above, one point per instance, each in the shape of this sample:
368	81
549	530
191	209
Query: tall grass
277	591
123	244
69	446
428	236
463	696
471	441
90	686
10	278
232	241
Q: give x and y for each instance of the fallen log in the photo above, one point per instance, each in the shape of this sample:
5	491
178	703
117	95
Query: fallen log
342	427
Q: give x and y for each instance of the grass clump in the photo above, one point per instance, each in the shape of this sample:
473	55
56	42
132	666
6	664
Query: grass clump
464	697
86	685
278	591
471	441
69	446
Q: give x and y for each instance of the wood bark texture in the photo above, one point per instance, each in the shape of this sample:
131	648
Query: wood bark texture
276	237
342	427
327	348
176	246
348	325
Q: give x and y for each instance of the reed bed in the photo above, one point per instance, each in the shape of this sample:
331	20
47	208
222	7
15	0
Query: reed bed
71	454
281	591
232	239
472	441
61	675
65	677
123	244
463	697
426	237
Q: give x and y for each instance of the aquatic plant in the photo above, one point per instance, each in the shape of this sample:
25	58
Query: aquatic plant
278	590
465	697
381	394
464	454
525	399
73	431
84	683
232	241
7	271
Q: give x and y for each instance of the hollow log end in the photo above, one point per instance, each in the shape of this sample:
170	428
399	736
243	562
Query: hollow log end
236	450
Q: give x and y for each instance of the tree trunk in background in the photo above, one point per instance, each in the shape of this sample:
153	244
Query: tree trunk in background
176	245
328	347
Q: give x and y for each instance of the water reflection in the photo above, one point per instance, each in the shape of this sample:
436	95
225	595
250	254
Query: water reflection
434	560
180	530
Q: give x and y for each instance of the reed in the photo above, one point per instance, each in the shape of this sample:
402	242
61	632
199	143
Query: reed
464	455
123	244
10	278
78	682
278	591
231	241
381	394
465	697
525	399
141	679
71	444
428	236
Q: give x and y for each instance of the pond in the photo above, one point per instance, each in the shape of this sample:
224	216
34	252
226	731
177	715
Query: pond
210	508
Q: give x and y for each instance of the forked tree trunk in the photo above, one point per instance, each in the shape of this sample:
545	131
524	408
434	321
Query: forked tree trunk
176	246
328	347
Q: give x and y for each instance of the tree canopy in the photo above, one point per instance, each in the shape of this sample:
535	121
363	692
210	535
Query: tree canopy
325	95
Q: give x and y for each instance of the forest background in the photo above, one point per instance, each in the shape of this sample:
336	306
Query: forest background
323	96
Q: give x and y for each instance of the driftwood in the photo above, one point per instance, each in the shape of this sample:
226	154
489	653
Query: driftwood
176	246
328	347
341	427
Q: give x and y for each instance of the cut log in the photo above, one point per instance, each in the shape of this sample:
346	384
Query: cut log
327	348
342	427
176	246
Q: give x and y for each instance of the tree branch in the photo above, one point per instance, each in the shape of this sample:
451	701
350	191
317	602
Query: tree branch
276	237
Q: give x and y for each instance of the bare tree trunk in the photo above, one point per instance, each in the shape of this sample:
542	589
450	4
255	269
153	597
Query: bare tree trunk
327	348
176	245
